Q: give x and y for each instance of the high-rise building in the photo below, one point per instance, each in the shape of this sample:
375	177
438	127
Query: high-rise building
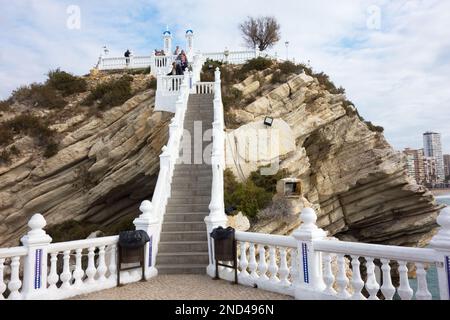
433	148
447	166
415	164
430	171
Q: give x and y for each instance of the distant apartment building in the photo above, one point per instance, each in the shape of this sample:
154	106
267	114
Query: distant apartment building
447	166
415	164
431	175
433	149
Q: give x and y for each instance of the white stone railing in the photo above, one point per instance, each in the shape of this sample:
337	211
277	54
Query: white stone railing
217	215
233	57
204	88
307	265
43	270
118	63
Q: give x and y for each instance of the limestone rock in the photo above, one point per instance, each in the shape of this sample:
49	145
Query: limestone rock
239	222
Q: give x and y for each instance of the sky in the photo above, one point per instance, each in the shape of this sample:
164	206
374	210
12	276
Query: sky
392	57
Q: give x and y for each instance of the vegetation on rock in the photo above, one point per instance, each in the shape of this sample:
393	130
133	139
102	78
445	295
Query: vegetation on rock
110	93
66	83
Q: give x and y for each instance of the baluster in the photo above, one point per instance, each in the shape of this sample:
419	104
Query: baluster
342	279
357	282
422	287
262	264
78	273
112	261
243	263
328	276
273	267
2	281
53	275
284	269
101	269
404	290
372	285
387	288
66	274
295	268
15	283
91	270
252	263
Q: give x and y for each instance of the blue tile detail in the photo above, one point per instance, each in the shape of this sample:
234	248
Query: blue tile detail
150	249
37	269
447	267
305	262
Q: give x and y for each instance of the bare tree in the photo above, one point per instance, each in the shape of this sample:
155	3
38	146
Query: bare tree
261	32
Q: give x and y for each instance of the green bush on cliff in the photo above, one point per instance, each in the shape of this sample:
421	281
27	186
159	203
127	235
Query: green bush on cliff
268	182
65	82
39	95
111	93
4	105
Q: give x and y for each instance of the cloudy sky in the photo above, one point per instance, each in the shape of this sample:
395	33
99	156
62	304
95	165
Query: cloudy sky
393	57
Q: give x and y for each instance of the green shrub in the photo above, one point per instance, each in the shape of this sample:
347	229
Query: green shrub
32	126
39	95
111	93
4	105
6	135
51	149
153	83
256	64
14	151
268	182
249	198
230	97
5	157
373	127
289	67
208	69
66	83
278	77
139	71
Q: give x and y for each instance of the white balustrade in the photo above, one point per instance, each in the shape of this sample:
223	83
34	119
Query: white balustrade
342	279
204	88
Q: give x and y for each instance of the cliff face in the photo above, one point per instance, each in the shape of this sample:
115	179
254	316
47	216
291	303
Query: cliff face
107	164
348	171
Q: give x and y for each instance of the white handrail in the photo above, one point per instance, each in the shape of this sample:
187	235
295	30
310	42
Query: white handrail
266	239
82	244
12	252
376	251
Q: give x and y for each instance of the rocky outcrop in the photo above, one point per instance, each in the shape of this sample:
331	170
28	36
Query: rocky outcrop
105	167
348	171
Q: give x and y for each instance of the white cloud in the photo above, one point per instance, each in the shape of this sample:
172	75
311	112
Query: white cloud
397	76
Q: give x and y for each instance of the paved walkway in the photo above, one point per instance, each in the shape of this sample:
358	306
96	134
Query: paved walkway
183	287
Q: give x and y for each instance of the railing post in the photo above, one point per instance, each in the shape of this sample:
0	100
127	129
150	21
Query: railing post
34	284
441	243
217	216
152	64
310	281
148	221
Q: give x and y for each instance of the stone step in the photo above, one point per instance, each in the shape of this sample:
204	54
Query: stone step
183	226
187	192
183	236
183	208
189	200
181	269
195	187
192	178
181	172
182	258
193	166
188	217
183	246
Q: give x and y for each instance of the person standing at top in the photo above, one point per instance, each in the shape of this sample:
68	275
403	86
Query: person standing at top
127	55
184	60
177	51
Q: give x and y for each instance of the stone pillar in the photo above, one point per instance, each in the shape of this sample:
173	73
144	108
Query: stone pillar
310	282
441	243
35	264
190	43
167	36
149	222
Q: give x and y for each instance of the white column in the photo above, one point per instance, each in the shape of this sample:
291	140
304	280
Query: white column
35	264
310	283
441	243
190	43
217	216
148	221
167	36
